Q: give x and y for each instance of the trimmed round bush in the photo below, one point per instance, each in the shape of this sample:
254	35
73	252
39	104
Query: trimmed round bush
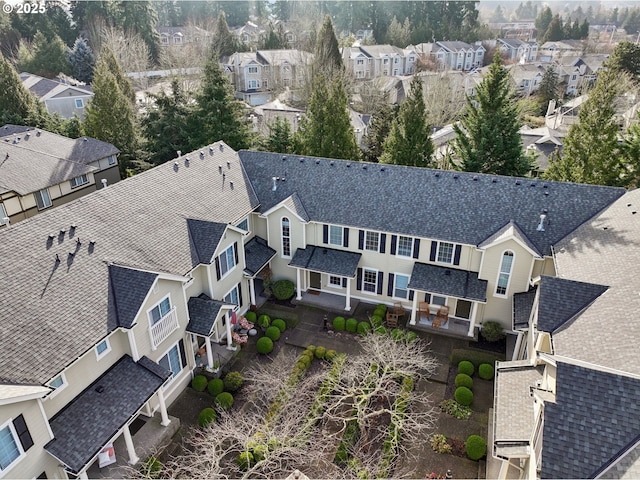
306	359
301	366
215	386
382	306
199	383
485	371
310	348
466	367
492	331
376	320
410	336
224	400
476	447
380	330
352	325
330	355
260	452
379	312
264	345
283	289
233	381
206	416
463	396
464	380
321	352
245	460
264	321
339	324
251	316
397	334
280	324
273	333
363	328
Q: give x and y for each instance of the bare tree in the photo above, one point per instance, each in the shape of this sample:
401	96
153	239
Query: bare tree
444	96
130	50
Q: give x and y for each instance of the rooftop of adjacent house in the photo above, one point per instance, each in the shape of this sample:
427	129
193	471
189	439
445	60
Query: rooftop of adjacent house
603	251
58	266
451	206
45	88
513	42
522	306
455	46
382	50
277	57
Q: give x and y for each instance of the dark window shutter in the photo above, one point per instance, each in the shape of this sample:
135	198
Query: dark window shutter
23	432
383	242
344	283
235	251
345	237
359	279
380	279
394	242
325	233
434	249
217	262
411	292
390	286
183	357
416	247
240	293
361	240
456	255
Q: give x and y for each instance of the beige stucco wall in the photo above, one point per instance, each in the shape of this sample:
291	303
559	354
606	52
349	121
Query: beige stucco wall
258	225
280	264
544	266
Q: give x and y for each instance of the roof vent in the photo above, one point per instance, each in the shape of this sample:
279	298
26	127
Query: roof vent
628	204
533	184
518	182
62	232
540	226
84	139
455	176
284	158
382	169
317	162
633	212
219	168
302	160
175	166
332	163
201	154
437	174
221	147
210	150
99	389
27	135
475	178
494	180
179	152
38	132
447	272
104	182
348	165
274	187
228	164
364	167
52	236
544	185
186	162
57	258
72	228
231	185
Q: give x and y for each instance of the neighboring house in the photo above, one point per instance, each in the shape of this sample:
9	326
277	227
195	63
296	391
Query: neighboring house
550	51
526	77
257	75
543	142
575	72
267	113
58	97
372	61
107	300
519	50
250	34
566	405
40	169
458	55
179	36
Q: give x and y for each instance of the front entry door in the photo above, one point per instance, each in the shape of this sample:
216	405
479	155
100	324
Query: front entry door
315	280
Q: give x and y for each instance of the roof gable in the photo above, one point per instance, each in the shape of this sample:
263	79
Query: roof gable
204	238
510	231
128	289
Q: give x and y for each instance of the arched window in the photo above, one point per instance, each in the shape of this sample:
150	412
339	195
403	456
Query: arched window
286	237
506	266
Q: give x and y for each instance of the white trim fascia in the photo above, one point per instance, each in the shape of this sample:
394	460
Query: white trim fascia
515	239
581	363
39	392
216	253
163	275
46	419
277	206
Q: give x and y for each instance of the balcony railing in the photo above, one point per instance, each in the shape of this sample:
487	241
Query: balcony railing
163	328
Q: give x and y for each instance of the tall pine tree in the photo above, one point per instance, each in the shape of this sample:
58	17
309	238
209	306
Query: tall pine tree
327	57
82	61
487	139
378	131
17	104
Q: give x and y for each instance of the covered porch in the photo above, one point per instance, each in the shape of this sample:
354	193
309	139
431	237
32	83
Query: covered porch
257	254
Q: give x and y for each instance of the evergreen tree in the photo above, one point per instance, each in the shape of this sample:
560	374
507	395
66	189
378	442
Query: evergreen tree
549	89
591	152
82	61
107	56
48	57
487	140
626	58
280	138
110	115
140	17
327	53
326	130
555	31
409	142
218	115
224	43
378	131
399	34
17	104
275	39
543	21
166	125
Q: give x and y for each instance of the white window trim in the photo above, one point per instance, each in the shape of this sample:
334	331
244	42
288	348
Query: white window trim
365	241
252	70
375	285
157	304
16	439
3	214
332	285
45	205
248	229
282	237
84	179
453	253
500	272
339	244
107	350
81	103
57	390
235	287
111	160
224	252
395	279
398	247
173	376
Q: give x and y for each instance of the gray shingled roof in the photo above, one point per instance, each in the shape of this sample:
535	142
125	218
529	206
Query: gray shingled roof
448	281
561	300
11	129
257	254
393	198
326	260
202	314
83	427
204	237
295	205
510	228
129	289
595	417
139	223
522	305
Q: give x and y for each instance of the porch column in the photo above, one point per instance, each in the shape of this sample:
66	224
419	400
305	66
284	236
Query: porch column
163	409
414	308
347	306
298	288
252	291
472	321
207	343
229	339
133	458
83	475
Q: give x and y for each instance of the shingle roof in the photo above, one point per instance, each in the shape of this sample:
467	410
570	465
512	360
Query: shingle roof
522	305
448	281
139	223
204	237
128	290
508	230
389	197
257	254
295	205
99	412
561	300
326	260
596	415
202	314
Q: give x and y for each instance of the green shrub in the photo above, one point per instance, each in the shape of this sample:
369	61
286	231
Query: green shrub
351	325
339	324
264	345
251	316
330	355
454	409
363	328
321	352
199	383
151	468
463	396
280	324
397	334
382	306
206	416
273	333
439	443
233	381
410	336
474	356
492	331
260	452
466	367
272	444
283	289
485	371
245	460
376	320
305	359
224	400
464	380
311	348
264	321
380	330
215	386
476	447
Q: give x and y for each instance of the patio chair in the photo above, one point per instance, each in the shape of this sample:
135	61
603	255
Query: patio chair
442	317
423	310
392	320
398	309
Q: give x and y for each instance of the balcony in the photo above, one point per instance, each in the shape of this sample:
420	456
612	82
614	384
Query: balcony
163	328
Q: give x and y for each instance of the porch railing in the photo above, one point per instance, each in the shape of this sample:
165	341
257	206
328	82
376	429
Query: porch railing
163	328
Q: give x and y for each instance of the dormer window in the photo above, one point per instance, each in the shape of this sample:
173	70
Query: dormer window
79	181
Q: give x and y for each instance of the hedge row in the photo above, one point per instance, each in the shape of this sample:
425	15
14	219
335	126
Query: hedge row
474	356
